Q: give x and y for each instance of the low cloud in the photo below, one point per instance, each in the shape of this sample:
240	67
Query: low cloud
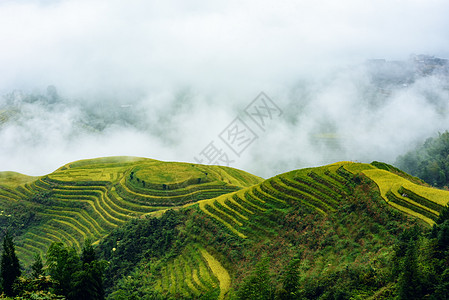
163	79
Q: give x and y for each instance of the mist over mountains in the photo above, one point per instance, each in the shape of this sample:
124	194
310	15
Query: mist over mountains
83	79
372	111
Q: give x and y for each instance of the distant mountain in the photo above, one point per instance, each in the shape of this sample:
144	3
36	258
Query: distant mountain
384	73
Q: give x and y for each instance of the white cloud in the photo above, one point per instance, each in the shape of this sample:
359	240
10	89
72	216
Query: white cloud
144	52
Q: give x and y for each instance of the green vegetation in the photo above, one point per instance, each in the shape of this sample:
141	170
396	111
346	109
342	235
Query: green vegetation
175	230
76	276
9	264
399	192
219	272
420	262
429	161
339	245
70	276
87	199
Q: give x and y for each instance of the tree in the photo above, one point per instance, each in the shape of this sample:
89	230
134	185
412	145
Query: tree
400	249
439	264
429	161
10	267
290	280
88	253
77	276
409	280
37	268
63	263
440	233
442	287
88	282
443	216
258	285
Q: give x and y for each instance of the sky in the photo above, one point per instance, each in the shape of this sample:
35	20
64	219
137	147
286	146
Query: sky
183	71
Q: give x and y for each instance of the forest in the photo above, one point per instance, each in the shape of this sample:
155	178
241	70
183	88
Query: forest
429	161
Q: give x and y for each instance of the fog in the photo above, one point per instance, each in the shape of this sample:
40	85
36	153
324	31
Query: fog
164	79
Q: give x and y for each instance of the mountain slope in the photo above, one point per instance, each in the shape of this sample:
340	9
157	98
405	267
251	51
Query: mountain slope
333	217
337	219
87	199
322	189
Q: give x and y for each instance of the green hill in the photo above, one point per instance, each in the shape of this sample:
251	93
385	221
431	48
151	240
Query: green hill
192	231
340	220
88	198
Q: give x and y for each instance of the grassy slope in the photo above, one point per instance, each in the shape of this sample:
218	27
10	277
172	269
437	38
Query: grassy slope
399	191
13	179
88	198
321	189
334	217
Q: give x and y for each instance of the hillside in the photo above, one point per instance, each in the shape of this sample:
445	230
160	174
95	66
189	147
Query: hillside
333	219
340	222
87	199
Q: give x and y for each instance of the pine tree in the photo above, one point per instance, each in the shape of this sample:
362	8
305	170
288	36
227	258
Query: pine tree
88	253
10	267
409	280
89	280
63	262
37	268
78	276
258	285
443	216
290	281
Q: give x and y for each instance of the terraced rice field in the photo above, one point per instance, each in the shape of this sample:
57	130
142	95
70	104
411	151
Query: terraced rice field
193	273
87	199
413	199
320	189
